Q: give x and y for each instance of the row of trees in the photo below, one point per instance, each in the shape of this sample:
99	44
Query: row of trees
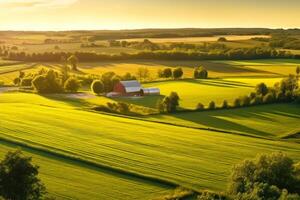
175	73
238	53
285	91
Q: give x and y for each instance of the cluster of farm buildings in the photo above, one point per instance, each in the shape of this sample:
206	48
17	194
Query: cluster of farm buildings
132	88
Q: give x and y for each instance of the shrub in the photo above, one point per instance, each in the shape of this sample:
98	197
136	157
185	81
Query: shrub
200	106
97	87
39	83
26	82
225	104
206	195
212	105
200	73
167	72
72	84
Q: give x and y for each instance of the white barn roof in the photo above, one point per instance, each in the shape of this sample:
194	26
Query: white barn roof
131	86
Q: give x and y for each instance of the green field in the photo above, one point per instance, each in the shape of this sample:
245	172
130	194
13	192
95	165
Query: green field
180	155
271	121
67	179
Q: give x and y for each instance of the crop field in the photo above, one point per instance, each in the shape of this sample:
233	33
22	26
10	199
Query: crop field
9	72
155	151
281	119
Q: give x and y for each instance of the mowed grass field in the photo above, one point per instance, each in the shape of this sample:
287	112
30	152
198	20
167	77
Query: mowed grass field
193	158
67	179
192	92
270	121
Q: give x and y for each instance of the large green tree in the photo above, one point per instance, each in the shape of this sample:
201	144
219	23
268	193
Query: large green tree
19	178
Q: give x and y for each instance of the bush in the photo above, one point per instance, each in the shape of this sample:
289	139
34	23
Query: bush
200	106
72	84
97	87
200	73
26	82
222	39
212	105
206	195
47	83
40	84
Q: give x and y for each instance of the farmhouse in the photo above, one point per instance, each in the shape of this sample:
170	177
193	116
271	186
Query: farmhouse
133	88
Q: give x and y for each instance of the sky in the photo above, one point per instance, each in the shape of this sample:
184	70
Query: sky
138	14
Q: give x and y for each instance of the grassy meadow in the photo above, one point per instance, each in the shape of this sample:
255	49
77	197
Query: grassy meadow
185	156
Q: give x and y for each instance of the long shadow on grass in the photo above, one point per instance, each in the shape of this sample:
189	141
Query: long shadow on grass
218	83
220	119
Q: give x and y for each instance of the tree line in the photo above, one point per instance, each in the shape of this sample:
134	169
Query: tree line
223	54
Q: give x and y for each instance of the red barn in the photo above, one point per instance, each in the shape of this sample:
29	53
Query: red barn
128	88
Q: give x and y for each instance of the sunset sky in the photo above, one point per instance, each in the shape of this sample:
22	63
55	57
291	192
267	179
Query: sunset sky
132	14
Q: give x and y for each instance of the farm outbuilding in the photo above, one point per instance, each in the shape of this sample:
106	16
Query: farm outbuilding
150	91
133	88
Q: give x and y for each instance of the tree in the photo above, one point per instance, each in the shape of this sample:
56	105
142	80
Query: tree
222	39
225	104
298	71
97	87
261	89
167	72
73	60
268	173
169	104
142	73
72	84
200	106
177	73
19	178
200	73
212	105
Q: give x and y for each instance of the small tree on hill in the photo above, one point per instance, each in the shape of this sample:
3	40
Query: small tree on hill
167	72
72	84
169	104
177	73
143	73
212	105
73	60
97	87
298	71
222	39
19	178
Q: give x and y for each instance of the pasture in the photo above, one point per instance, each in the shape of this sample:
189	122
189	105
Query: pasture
184	156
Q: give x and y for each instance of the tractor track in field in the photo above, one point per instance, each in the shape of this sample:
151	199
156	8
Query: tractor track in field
75	159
